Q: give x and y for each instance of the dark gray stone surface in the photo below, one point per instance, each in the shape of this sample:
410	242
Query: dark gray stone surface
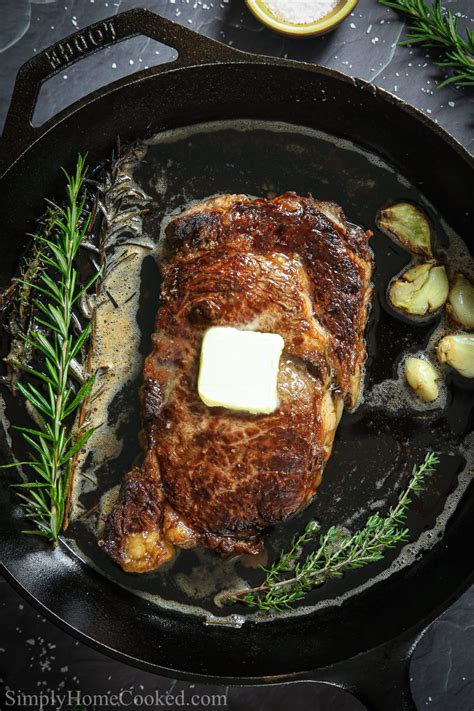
35	655
365	45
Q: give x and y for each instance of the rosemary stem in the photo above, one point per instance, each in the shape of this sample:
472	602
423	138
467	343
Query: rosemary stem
50	337
432	25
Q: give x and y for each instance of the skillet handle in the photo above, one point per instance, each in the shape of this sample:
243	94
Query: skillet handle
379	678
192	49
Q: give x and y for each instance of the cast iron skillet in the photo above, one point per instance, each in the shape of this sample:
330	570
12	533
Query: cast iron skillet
363	645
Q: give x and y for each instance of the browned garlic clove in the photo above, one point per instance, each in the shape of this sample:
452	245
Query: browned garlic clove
457	350
421	290
422	377
408	224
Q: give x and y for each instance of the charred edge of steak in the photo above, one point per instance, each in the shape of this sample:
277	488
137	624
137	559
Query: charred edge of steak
132	534
152	403
229	546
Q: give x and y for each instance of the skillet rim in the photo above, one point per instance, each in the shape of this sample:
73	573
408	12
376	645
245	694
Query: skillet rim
236	57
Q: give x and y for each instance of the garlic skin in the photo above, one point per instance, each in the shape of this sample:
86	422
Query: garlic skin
422	377
421	290
460	304
457	350
408	224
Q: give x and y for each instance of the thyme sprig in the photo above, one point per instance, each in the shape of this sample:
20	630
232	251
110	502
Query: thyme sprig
292	575
49	393
434	26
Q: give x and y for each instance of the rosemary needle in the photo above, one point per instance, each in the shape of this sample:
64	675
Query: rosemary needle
292	576
46	386
433	26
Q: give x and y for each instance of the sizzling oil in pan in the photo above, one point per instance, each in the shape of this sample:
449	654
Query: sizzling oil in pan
373	445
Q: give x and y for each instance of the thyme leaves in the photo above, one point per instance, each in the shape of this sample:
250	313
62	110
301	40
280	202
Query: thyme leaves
294	574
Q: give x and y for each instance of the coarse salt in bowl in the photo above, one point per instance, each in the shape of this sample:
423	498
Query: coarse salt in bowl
301	18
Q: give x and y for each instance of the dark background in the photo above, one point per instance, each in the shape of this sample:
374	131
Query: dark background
36	656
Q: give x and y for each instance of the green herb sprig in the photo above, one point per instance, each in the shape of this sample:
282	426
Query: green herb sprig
292	575
47	387
433	26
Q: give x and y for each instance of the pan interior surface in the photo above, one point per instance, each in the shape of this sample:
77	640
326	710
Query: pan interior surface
375	445
107	609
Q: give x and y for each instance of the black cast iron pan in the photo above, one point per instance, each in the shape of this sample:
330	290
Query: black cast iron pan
364	643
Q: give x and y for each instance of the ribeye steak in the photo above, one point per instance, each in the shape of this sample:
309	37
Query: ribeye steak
216	477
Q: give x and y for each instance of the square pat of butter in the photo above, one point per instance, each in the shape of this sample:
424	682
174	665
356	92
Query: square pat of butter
239	369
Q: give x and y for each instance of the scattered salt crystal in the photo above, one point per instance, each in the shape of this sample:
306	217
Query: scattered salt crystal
451	104
300	12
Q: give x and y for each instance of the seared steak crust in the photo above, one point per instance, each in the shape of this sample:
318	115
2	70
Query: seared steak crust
216	477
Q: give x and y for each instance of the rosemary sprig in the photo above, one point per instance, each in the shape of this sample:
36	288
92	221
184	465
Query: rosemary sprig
433	26
292	576
47	388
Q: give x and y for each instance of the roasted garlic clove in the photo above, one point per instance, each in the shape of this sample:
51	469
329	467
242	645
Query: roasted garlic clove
409	225
422	377
460	304
422	289
457	350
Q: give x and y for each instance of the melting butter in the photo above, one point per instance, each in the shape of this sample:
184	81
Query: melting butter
239	369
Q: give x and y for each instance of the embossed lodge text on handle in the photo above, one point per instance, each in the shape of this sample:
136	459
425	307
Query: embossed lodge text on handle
192	49
63	53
